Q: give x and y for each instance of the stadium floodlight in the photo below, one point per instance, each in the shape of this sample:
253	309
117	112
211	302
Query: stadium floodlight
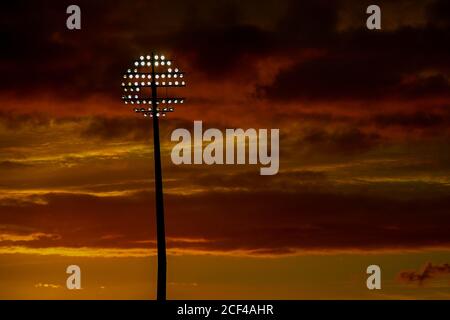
140	89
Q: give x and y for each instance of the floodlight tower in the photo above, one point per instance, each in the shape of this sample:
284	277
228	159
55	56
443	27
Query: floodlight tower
140	85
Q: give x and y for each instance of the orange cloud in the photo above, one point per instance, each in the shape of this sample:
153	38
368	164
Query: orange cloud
35	236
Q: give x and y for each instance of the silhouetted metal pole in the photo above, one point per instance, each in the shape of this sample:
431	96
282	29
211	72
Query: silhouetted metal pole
160	227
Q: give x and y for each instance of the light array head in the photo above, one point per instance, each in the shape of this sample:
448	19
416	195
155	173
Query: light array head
148	73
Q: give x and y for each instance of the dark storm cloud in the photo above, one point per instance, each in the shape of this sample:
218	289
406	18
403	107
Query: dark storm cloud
430	271
39	53
14	121
217	39
114	128
283	180
439	13
309	23
256	221
419	119
90	127
11	165
433	86
218	51
348	141
370	66
134	128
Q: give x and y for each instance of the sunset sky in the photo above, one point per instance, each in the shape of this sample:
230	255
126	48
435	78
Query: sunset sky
364	119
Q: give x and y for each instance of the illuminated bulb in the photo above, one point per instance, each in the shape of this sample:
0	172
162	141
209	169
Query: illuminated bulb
143	76
141	57
136	63
142	83
163	63
162	57
163	76
176	83
148	57
156	57
142	63
156	64
157	76
169	70
129	70
149	64
169	63
130	76
183	83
